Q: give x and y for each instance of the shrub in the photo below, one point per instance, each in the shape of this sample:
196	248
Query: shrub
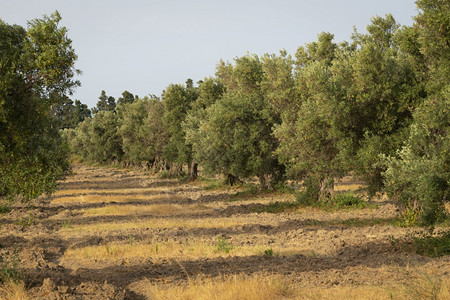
9	268
433	246
341	200
222	245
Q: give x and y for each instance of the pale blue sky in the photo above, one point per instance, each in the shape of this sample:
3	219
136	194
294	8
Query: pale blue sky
143	46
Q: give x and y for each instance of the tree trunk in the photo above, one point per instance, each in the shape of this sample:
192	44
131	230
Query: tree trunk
231	179
263	183
193	171
326	189
175	170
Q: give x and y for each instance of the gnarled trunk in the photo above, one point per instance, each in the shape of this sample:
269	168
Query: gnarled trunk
326	189
193	171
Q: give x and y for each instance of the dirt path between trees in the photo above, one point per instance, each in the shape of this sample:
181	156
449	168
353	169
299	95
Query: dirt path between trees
109	233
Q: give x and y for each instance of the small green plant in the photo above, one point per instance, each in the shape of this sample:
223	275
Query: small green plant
223	246
9	268
268	252
25	221
110	250
131	239
409	216
394	241
5	207
67	224
156	248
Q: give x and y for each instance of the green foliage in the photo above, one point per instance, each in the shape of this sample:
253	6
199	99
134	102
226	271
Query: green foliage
434	246
309	196
142	130
127	98
278	84
321	51
348	199
276	207
130	240
268	252
420	174
5	206
105	138
339	200
409	216
376	107
166	174
105	103
222	245
69	114
25	221
9	268
235	138
177	100
36	71
67	224
434	39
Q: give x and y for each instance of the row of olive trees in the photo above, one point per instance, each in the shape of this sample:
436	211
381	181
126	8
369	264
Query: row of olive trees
376	106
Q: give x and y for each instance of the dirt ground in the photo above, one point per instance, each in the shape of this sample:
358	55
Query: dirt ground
108	233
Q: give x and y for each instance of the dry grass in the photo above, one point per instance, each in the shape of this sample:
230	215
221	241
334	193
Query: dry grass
160	210
423	285
172	250
124	191
164	250
347	187
13	291
110	198
275	286
207	223
256	287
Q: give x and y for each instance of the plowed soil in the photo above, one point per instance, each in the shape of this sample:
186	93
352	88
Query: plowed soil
143	230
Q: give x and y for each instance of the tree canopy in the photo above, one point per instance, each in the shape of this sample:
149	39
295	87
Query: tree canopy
36	72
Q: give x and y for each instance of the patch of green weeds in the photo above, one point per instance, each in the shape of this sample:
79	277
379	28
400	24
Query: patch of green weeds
433	246
342	200
268	252
284	188
26	221
211	183
424	243
5	207
165	174
409	217
67	224
223	246
131	239
110	250
275	207
250	189
347	200
9	268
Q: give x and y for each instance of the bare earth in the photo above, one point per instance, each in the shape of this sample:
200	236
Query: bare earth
111	234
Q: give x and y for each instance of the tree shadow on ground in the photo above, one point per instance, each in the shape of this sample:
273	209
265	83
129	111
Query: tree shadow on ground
371	255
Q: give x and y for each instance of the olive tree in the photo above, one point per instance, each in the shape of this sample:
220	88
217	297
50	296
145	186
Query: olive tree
36	71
